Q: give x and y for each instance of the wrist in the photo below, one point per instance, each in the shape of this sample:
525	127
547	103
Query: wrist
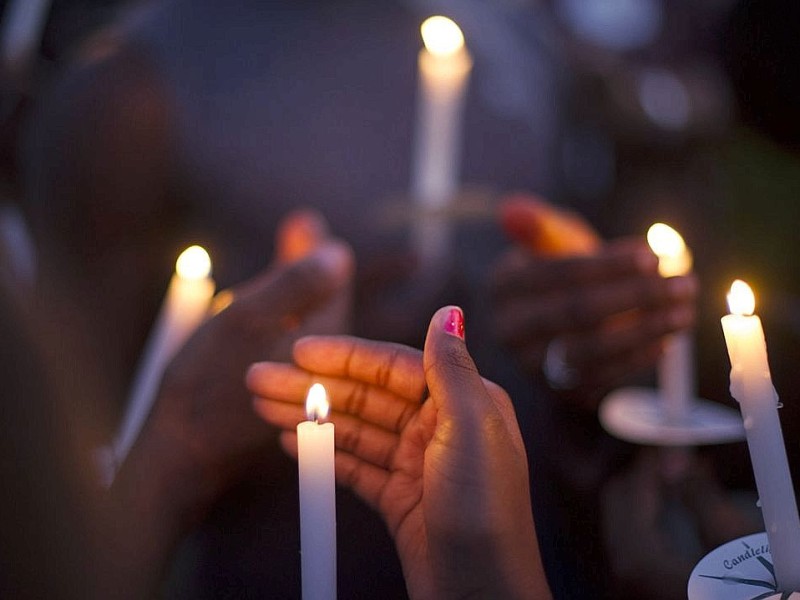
170	475
491	568
139	521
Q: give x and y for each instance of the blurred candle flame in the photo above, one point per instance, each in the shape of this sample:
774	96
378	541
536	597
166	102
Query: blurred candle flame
441	36
193	263
741	300
674	257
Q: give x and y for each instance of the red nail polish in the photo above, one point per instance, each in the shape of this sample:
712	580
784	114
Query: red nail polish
454	325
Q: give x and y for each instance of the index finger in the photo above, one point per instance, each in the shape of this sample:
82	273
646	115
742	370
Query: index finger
620	259
300	286
395	367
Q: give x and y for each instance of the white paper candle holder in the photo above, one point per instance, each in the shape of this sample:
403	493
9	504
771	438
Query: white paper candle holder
739	570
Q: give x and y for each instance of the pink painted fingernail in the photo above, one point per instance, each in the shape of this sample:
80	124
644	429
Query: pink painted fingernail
454	325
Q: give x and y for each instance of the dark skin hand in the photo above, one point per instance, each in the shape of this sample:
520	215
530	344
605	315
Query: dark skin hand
448	476
202	434
611	310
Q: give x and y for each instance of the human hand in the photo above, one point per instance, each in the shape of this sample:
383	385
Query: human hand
448	475
203	411
300	233
601	317
202	434
544	229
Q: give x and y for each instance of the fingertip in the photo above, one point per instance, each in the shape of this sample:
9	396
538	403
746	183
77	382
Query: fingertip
253	373
454	322
288	441
450	371
301	345
336	258
257	403
450	320
299	233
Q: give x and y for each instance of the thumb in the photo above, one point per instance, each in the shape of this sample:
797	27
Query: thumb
456	387
299	234
303	285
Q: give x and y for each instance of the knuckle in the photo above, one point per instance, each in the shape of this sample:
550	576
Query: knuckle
385	368
404	417
350	438
350	476
357	399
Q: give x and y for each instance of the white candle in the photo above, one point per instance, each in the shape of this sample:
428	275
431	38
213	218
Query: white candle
183	310
675	368
315	462
751	385
444	66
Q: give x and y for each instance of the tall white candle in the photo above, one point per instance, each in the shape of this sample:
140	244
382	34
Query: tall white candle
751	385
183	310
315	461
675	368
444	66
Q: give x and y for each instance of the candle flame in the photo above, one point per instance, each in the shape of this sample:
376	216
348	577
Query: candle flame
441	36
193	263
741	300
665	241
668	245
317	405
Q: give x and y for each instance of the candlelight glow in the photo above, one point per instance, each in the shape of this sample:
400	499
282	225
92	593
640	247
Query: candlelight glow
317	405
193	263
665	241
741	300
441	36
673	256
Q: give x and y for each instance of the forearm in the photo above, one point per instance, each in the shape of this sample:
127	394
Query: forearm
140	521
492	569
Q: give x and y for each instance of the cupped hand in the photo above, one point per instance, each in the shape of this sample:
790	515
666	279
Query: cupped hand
606	314
203	413
448	473
202	434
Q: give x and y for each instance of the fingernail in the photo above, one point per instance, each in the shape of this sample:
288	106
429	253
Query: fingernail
454	325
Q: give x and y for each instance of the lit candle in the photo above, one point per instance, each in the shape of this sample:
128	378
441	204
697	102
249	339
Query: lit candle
315	461
183	310
751	386
444	66
675	368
